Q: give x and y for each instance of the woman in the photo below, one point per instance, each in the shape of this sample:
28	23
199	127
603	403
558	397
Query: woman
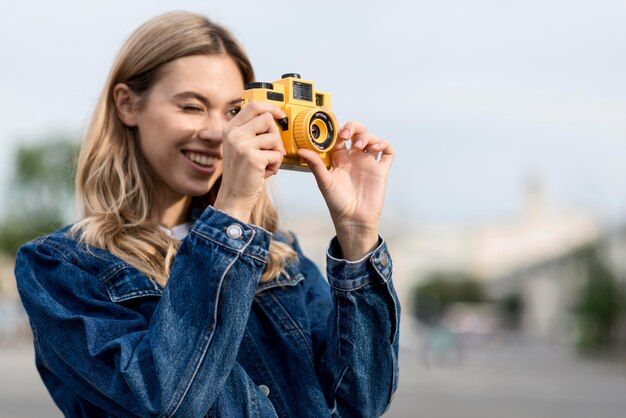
176	294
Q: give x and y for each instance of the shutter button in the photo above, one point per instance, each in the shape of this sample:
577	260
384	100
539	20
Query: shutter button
264	389
384	258
234	231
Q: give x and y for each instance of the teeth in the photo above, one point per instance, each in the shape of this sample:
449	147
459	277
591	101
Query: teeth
200	159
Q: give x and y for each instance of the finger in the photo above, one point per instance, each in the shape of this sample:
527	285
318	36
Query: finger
269	142
317	166
353	129
376	145
365	142
273	161
254	109
260	132
260	124
340	144
387	155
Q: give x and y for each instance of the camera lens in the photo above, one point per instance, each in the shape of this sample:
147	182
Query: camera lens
315	132
322	131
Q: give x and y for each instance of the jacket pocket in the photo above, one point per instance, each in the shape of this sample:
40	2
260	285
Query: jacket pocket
124	282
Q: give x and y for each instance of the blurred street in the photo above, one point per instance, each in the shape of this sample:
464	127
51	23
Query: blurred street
511	380
22	394
503	379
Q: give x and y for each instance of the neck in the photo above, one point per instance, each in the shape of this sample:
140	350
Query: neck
174	211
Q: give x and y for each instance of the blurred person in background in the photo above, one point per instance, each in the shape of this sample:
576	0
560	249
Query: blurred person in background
176	293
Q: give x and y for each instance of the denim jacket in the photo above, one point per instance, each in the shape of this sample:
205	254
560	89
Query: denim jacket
109	341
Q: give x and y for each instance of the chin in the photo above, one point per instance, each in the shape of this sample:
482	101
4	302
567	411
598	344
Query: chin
203	189
195	192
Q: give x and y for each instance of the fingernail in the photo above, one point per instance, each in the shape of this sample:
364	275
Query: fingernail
345	133
358	143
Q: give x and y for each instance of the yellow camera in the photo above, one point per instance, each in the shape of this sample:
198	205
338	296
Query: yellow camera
307	125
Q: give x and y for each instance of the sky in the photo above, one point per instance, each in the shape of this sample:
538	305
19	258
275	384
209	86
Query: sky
476	96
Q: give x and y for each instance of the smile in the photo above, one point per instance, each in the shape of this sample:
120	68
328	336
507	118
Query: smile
201	159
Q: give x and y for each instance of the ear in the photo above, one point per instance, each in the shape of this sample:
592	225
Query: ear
125	104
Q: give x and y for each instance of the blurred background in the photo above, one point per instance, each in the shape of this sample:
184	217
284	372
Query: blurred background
506	207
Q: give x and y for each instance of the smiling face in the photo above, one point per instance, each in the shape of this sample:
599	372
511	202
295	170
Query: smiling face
180	124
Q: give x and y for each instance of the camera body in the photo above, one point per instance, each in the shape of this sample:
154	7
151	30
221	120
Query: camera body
307	124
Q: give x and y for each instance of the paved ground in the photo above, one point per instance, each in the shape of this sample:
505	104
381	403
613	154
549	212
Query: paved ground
511	380
22	395
504	380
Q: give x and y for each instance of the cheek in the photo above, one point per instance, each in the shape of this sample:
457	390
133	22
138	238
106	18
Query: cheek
219	166
164	130
163	123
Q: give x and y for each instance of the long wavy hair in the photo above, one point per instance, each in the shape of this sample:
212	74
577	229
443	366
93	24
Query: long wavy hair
114	188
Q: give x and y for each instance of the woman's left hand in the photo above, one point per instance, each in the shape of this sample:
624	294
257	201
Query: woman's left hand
354	187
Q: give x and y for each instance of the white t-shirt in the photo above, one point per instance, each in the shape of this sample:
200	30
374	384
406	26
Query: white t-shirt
178	232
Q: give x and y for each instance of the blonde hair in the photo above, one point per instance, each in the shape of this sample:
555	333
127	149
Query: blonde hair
114	189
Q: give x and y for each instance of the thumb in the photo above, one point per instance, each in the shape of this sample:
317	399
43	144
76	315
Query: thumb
318	168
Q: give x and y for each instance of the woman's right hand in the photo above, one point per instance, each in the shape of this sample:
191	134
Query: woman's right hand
252	152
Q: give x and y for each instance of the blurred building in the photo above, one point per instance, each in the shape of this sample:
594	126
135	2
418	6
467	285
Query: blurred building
527	254
552	287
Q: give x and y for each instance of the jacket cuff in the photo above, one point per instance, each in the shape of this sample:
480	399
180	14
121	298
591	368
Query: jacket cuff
225	230
351	275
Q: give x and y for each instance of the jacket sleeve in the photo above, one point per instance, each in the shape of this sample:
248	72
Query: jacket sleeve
355	332
174	363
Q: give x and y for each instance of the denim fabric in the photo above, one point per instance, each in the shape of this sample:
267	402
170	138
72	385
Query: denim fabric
110	341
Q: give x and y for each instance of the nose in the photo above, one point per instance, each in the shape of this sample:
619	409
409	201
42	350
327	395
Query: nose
211	135
212	129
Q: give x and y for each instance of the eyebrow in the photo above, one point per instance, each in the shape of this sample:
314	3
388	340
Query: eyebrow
201	98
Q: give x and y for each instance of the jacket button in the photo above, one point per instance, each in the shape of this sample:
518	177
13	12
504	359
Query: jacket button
234	231
264	389
384	258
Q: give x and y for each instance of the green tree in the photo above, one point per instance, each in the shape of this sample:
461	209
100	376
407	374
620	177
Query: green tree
40	192
438	291
599	304
511	308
